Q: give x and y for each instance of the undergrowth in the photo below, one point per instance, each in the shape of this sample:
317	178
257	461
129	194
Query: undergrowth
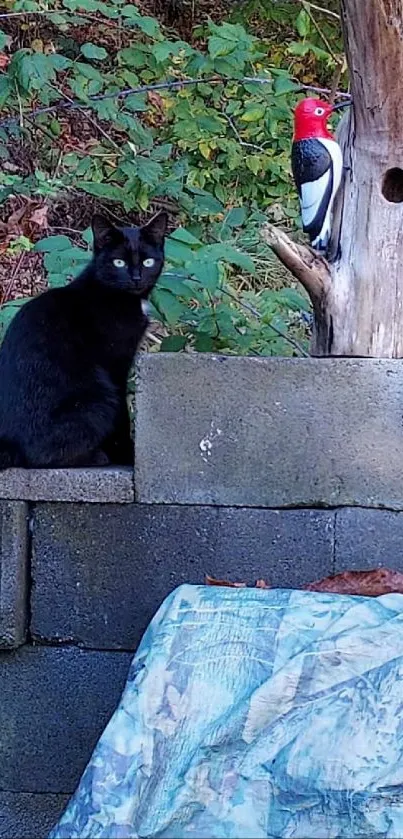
99	109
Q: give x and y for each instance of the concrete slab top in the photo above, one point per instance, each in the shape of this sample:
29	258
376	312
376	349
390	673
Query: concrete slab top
107	485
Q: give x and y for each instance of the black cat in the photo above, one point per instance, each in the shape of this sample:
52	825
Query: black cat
65	359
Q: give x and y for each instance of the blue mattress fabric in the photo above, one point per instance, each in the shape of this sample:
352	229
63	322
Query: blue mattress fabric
250	713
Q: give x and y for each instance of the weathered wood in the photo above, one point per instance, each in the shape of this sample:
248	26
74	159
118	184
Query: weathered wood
365	302
360	312
307	266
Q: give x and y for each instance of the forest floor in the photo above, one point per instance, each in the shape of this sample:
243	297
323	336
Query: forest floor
27	219
21	272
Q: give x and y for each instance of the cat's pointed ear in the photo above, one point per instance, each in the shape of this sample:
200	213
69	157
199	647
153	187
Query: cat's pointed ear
156	229
103	231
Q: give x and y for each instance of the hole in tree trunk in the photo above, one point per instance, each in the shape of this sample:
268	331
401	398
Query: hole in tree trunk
392	186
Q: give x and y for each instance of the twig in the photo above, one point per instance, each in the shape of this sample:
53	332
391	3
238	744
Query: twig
336	80
248	308
320	9
21	118
307	7
17	266
24	14
122	94
238	136
107	21
257	315
87	116
153	338
326	90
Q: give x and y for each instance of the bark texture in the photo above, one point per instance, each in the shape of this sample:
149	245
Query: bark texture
359	309
366	293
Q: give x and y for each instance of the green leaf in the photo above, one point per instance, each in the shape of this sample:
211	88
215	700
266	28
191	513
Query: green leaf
56	280
220	46
298	48
294	300
235	217
130	11
210	123
303	23
203	342
3	39
207	272
233	256
92	51
253	114
176	285
173	343
8	311
5	89
114	193
87	236
206	204
164	49
60	62
176	251
88	71
254	164
106	109
284	84
132	57
183	235
234	32
57	19
33	71
52	243
149	171
136	102
163	152
167	305
139	135
149	25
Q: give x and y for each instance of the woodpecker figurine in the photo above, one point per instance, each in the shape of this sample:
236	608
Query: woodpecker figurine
317	166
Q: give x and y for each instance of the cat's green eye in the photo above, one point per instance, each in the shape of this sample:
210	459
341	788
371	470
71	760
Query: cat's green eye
149	263
119	263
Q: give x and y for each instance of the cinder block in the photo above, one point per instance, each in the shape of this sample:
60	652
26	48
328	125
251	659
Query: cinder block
269	432
367	539
110	485
27	815
54	705
100	572
13	572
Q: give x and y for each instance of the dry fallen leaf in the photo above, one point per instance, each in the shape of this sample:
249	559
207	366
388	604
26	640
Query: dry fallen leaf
211	581
40	216
365	583
262	584
155	99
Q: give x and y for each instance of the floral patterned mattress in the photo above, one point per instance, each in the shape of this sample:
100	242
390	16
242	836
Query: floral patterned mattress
254	713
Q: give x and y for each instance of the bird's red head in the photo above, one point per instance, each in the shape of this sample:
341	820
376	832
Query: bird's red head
310	119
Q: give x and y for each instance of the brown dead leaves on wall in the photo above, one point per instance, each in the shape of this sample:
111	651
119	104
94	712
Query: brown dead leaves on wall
360	583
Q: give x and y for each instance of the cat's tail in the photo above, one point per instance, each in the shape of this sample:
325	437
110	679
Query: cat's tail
10	454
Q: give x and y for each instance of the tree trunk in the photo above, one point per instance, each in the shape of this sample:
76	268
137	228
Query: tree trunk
359	310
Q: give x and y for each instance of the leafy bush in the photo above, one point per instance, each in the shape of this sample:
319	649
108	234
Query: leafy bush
216	152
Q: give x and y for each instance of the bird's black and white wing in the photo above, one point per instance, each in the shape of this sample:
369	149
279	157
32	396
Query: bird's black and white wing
317	168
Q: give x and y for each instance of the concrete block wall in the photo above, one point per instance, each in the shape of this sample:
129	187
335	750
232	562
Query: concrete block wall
244	468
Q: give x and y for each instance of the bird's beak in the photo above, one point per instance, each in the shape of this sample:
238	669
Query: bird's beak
341	105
